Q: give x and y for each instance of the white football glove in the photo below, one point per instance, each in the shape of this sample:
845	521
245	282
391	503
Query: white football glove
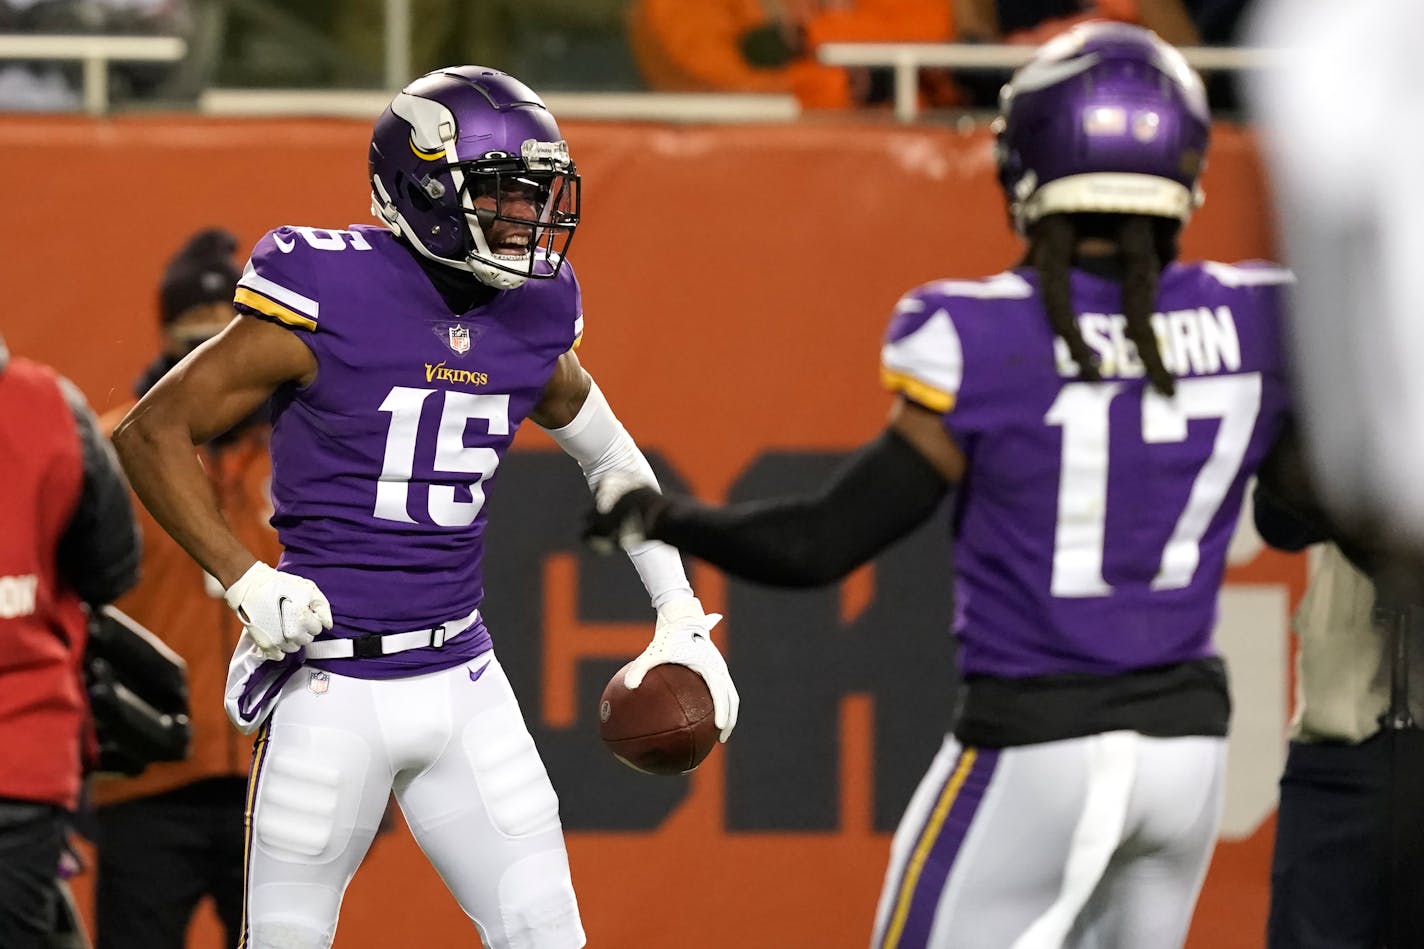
681	638
282	612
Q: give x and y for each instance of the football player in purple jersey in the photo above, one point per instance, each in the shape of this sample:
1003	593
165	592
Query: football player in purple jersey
1099	410
400	359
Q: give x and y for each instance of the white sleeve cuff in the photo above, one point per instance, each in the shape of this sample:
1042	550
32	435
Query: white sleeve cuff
602	447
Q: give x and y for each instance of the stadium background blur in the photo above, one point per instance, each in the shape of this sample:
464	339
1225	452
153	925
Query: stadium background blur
736	277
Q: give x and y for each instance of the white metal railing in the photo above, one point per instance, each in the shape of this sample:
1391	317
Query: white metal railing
95	52
397	41
615	106
906	59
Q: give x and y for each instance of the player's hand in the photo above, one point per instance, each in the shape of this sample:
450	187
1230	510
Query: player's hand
623	519
681	638
282	612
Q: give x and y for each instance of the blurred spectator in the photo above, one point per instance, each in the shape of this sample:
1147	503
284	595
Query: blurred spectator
1218	22
54	86
1179	22
770	45
68	539
1036	21
1346	872
1342	129
175	833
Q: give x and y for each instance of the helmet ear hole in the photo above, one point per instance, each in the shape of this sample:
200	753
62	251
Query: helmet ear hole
416	195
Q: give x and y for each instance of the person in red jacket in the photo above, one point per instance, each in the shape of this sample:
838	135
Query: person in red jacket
67	538
175	833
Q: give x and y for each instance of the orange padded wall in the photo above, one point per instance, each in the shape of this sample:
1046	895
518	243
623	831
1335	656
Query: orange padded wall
736	281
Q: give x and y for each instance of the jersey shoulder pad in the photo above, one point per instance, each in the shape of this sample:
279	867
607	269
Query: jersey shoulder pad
281	278
557	306
922	356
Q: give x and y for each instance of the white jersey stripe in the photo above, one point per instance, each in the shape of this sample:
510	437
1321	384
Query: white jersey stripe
931	354
289	298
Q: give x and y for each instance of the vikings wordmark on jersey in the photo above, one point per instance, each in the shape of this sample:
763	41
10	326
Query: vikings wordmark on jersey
381	467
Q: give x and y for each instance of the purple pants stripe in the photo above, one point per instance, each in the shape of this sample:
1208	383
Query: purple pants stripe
936	848
259	754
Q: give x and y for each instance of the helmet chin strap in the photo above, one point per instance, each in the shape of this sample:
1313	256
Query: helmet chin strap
492	276
477	260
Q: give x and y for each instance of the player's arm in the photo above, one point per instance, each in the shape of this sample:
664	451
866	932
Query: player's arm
574	412
1289	515
214	388
1284	505
219	384
882	492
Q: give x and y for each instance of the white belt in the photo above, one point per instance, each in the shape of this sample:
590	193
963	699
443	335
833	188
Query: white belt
367	647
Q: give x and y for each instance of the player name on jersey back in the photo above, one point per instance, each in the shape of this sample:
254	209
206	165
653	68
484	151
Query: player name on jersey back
1194	342
1092	529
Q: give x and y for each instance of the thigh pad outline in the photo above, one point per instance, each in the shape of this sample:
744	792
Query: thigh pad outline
309	793
512	780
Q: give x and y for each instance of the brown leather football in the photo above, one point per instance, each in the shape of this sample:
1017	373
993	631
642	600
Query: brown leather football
664	726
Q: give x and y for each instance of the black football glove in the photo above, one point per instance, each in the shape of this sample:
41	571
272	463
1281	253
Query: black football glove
628	523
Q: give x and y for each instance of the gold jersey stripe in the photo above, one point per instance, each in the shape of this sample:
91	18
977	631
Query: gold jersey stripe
578	341
922	392
254	771
928	836
273	309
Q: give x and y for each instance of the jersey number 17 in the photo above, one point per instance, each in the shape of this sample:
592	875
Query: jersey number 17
1081	410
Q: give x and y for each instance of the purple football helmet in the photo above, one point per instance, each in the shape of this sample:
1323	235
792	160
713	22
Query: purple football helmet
1104	118
468	165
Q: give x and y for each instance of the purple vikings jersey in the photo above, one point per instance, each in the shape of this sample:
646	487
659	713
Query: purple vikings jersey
381	467
1093	520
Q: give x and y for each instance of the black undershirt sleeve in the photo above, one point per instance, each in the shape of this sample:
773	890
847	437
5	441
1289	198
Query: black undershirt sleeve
881	493
1279	526
1289	515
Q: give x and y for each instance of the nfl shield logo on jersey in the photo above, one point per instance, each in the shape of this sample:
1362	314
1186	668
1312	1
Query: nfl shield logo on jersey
319	682
460	339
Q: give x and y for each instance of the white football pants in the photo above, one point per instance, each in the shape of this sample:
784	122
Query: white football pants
1091	843
453	747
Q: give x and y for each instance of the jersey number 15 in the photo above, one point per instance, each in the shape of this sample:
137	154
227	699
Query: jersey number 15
404	403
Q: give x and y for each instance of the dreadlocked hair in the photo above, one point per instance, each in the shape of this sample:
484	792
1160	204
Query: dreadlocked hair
1137	245
1143	244
1051	254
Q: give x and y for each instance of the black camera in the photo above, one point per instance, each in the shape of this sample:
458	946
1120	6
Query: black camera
138	692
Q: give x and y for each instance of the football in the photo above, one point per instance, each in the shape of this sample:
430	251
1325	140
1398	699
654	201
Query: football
664	726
